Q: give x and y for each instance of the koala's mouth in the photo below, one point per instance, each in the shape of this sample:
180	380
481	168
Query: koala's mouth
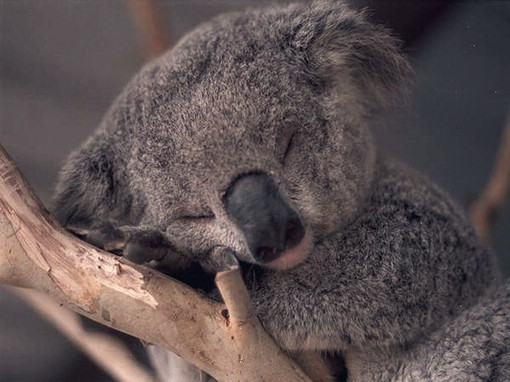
292	257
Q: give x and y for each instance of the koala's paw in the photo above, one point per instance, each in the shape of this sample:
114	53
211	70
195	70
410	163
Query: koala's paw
101	234
138	244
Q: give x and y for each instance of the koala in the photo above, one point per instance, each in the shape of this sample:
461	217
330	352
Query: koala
255	133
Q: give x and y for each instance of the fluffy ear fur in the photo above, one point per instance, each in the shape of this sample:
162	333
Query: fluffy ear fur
341	51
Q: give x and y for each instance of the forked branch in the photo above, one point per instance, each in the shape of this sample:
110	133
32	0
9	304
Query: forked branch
484	211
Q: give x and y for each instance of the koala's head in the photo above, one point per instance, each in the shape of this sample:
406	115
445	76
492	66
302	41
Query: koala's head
252	133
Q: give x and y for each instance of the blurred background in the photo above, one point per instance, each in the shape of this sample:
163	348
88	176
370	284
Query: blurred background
63	62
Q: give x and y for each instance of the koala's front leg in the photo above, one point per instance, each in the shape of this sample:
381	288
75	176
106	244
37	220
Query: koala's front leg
139	244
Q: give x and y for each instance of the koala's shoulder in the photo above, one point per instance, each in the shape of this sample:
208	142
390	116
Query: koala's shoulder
402	185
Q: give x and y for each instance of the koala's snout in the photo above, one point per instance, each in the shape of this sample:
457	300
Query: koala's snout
269	224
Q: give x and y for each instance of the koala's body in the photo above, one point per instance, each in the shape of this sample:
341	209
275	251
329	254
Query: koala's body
253	134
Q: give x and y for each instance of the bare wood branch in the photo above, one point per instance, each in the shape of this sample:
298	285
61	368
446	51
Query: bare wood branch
37	253
154	37
484	211
244	324
235	295
105	350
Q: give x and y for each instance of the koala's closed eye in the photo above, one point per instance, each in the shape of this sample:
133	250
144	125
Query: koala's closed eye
200	217
193	214
288	148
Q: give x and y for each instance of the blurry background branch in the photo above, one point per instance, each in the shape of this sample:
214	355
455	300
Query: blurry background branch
153	32
485	210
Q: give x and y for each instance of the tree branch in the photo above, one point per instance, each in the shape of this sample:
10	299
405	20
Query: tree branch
37	253
152	34
484	211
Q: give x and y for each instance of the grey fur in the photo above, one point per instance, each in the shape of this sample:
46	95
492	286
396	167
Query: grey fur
396	280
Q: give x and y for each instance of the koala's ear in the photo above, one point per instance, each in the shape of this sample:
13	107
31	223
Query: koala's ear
338	48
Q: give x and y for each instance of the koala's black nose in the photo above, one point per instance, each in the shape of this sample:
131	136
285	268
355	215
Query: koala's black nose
269	225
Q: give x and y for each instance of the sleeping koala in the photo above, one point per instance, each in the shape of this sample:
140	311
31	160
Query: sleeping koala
253	134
